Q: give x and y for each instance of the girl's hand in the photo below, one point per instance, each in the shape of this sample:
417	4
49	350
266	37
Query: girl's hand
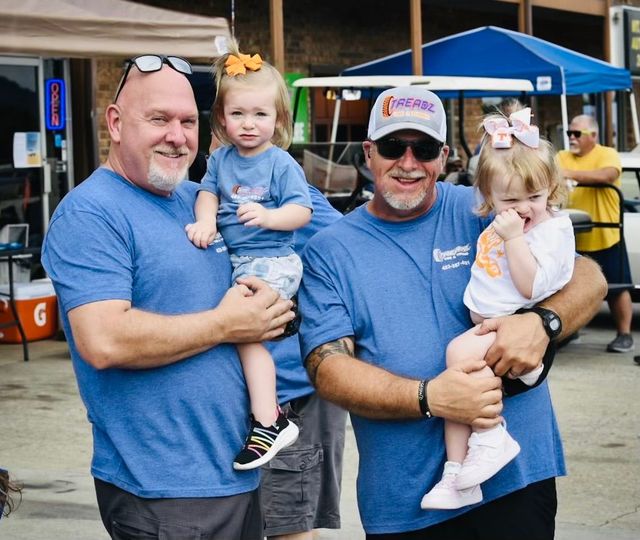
253	215
508	224
201	233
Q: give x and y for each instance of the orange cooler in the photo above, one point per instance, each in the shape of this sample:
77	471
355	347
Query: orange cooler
37	310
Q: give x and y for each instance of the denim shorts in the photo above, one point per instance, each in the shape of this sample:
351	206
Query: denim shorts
282	274
301	485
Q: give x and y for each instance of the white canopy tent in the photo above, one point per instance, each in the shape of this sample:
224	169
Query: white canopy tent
86	29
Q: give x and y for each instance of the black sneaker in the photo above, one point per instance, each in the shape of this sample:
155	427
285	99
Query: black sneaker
622	343
263	443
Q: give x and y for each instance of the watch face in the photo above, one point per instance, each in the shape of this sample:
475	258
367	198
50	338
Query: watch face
554	324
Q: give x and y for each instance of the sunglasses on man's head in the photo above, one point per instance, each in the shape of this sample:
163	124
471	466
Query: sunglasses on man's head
423	149
577	133
148	63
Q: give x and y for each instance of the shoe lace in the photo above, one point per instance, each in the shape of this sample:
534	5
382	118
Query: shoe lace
260	440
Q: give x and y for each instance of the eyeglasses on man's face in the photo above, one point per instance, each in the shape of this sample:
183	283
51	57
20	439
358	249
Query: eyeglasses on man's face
423	149
577	133
148	63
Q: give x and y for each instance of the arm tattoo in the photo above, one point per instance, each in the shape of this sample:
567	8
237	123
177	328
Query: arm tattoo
321	353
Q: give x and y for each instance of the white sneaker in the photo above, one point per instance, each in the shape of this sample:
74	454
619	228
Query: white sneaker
489	451
445	496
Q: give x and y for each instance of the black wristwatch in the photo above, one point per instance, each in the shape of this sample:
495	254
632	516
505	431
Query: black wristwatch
550	321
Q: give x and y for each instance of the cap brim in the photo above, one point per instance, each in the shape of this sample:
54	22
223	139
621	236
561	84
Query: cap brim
400	126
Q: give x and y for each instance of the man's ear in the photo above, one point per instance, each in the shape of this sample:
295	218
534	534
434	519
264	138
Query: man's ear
444	154
114	122
366	146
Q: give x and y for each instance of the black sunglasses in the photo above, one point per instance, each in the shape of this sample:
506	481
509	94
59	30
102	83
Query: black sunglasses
577	133
148	63
423	149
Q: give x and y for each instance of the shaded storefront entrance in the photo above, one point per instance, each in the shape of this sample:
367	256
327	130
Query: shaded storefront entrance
34	142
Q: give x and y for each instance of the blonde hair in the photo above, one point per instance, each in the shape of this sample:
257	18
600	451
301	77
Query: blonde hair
537	168
262	78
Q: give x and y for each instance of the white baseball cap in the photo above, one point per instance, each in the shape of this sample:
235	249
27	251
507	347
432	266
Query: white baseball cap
408	107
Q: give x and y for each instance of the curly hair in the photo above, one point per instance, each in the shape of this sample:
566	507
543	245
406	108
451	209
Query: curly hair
7	502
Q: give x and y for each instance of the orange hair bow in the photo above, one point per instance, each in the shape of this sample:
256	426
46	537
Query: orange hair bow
238	65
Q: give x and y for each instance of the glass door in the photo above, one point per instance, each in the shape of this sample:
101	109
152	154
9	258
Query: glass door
22	172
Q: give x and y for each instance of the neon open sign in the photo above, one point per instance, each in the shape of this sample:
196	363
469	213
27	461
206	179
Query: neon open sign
55	104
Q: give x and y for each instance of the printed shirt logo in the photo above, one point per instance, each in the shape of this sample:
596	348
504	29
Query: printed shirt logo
243	194
218	243
490	244
409	106
453	258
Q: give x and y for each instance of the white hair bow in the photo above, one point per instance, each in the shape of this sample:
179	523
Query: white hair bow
518	124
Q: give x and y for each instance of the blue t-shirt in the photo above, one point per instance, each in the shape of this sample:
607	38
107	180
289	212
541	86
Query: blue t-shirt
291	377
397	287
272	178
171	431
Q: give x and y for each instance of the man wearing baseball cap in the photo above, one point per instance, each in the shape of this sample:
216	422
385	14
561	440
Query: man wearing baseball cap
382	297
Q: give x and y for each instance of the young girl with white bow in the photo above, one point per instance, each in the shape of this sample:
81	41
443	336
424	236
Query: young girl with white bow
256	195
524	256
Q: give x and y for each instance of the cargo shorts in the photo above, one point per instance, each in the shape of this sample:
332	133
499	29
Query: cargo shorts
301	485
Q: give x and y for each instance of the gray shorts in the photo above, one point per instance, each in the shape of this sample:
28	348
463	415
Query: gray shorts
126	516
301	485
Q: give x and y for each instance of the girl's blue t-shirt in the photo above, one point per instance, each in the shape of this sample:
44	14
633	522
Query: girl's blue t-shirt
272	178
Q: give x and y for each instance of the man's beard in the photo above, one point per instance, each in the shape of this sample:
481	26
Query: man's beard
165	180
404	204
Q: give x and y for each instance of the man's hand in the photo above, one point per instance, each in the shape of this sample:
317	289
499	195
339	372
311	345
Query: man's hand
519	346
252	311
508	224
253	215
460	397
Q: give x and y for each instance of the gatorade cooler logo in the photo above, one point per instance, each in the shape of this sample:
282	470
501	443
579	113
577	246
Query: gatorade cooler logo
40	314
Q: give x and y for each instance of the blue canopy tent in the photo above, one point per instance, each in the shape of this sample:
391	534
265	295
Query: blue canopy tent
495	52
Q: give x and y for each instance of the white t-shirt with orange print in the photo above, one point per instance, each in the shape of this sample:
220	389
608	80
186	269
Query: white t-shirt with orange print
491	291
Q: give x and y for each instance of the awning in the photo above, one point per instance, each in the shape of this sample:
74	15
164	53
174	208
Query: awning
80	28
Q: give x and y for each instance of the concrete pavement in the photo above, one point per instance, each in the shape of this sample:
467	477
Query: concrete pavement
45	442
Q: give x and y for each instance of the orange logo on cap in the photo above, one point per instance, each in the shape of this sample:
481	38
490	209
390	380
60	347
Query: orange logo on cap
385	106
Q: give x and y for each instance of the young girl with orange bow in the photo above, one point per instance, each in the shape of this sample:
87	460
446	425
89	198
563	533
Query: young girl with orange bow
524	256
255	194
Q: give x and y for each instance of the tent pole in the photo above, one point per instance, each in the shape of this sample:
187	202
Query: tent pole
463	140
334	136
634	118
565	120
336	120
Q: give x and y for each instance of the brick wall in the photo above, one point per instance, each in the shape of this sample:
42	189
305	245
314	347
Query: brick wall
108	73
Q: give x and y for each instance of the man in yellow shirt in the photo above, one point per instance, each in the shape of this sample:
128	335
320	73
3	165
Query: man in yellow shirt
588	163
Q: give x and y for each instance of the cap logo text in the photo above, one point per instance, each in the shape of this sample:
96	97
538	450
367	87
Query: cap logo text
402	106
